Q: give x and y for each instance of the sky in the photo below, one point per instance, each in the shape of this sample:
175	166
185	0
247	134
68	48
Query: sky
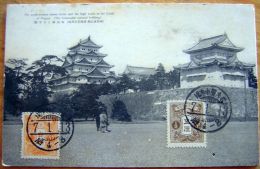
131	34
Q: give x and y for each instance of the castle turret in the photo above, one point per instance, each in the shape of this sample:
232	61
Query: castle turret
214	61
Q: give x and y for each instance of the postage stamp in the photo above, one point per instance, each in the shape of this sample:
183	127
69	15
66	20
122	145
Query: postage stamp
217	112
179	131
41	135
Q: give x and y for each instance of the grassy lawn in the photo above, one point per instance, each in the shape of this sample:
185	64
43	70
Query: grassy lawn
140	144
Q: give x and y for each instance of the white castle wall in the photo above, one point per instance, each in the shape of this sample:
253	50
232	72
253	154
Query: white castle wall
213	75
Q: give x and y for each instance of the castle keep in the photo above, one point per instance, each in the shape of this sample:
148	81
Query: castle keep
85	65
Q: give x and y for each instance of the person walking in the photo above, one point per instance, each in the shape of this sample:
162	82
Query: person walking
104	122
97	121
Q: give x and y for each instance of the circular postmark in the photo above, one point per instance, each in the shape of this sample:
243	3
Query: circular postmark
207	108
47	131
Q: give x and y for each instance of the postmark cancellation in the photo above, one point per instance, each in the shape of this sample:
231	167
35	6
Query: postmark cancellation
179	131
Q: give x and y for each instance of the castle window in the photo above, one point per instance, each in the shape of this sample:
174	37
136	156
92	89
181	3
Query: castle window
196	78
233	77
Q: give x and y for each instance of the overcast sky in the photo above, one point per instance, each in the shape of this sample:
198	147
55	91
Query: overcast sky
133	34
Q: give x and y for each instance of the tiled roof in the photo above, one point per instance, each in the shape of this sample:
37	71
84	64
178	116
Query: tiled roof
92	53
212	60
221	41
84	61
139	70
240	64
86	42
76	74
95	72
66	62
222	63
102	62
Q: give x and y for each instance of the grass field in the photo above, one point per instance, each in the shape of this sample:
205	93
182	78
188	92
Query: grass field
131	145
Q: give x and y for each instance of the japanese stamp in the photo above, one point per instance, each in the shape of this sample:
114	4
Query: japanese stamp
217	112
44	134
179	131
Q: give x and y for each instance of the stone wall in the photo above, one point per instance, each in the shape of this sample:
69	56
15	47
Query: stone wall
152	105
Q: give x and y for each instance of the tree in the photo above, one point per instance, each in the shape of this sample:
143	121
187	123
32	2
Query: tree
173	78
147	84
63	104
85	101
160	77
14	86
124	83
47	65
252	81
17	65
38	91
119	111
105	88
12	91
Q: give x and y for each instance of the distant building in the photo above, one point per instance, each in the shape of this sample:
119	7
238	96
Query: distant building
214	61
85	65
138	73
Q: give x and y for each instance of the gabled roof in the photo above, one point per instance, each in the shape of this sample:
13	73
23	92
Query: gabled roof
87	43
66	63
102	63
95	72
84	61
76	74
188	65
92	53
238	63
220	62
220	41
212	61
139	70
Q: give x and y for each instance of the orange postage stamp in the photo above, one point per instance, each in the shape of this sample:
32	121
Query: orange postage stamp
40	135
179	131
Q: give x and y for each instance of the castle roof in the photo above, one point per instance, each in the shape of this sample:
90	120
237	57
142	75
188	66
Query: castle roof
221	62
88	53
87	43
220	41
102	63
66	62
139	70
95	73
84	61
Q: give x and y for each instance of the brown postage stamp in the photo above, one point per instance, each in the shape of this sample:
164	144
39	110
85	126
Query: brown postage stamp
179	131
40	135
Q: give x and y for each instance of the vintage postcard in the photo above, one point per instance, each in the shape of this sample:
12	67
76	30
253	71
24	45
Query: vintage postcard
130	85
